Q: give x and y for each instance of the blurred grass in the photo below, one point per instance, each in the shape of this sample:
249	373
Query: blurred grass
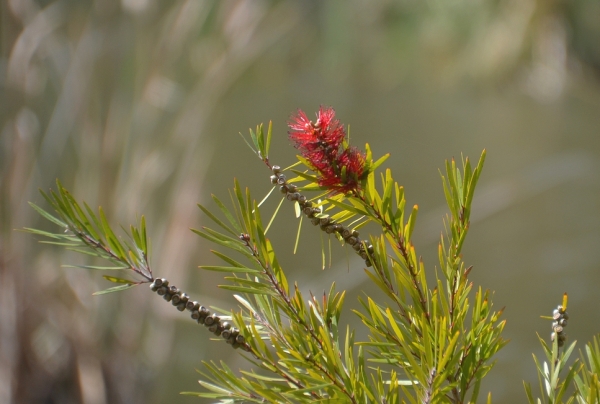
136	104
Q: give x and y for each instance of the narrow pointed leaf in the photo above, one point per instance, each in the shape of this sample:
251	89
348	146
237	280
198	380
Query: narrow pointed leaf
114	289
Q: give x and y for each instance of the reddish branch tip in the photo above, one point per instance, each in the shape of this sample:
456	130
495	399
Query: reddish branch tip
321	143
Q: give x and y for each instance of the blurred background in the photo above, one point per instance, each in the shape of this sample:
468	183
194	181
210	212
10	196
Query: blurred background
137	106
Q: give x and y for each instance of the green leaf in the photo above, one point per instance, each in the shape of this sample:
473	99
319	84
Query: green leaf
250	290
248	143
99	268
111	238
227	259
266	196
216	219
298	235
114	289
46	234
410	226
143	235
118	280
268	145
225	241
308	177
228	269
274	214
347	207
260	140
379	162
92	215
386	199
48	215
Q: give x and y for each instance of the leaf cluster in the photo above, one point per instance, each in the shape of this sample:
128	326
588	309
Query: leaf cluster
86	232
580	383
424	345
299	341
435	344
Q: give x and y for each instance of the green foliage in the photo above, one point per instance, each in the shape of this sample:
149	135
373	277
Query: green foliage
431	337
85	232
551	385
586	381
582	376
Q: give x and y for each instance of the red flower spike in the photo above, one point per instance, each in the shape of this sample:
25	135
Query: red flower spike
319	143
325	133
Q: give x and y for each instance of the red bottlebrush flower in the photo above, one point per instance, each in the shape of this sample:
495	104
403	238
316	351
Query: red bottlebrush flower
344	176
339	169
325	133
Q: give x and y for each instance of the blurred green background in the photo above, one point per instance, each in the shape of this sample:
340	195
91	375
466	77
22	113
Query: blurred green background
137	105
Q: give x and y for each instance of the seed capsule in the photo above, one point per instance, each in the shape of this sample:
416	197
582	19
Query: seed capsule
161	282
162	290
273	179
276	169
210	320
292	187
202	314
180	299
192	305
233	336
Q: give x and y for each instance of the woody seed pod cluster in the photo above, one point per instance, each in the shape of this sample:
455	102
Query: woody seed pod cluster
326	223
559	322
200	314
